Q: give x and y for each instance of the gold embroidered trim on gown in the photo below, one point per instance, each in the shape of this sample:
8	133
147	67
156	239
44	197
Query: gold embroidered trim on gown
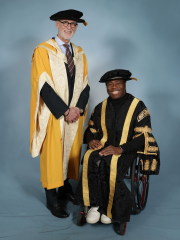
113	168
90	122
85	178
153	165
93	130
41	117
151	150
103	122
145	129
146	165
85	187
143	114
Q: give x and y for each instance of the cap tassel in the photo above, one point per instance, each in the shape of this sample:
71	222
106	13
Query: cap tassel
134	79
85	23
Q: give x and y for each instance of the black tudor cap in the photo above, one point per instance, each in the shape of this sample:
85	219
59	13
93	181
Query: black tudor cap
70	14
117	74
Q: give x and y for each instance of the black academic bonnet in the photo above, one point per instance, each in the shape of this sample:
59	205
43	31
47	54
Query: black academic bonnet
70	14
117	74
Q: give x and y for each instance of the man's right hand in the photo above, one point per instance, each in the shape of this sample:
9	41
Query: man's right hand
95	144
73	115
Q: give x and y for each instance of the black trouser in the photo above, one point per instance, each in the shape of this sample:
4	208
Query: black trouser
52	194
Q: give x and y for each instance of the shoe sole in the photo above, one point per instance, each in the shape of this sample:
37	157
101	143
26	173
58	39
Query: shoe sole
106	222
92	222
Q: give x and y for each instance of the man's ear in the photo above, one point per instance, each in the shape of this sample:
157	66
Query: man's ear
57	24
76	27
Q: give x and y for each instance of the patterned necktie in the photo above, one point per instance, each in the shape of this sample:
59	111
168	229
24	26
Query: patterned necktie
70	60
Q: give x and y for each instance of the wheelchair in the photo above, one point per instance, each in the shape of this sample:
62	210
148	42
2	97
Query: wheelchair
139	193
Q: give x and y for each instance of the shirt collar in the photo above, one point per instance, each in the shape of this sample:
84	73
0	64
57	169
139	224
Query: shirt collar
60	42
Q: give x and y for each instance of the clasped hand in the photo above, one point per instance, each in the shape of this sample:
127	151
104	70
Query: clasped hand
73	115
96	144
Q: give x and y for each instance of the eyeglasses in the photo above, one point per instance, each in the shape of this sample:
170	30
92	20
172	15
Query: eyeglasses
66	23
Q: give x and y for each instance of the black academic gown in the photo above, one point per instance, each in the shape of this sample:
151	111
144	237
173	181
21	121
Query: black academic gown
98	174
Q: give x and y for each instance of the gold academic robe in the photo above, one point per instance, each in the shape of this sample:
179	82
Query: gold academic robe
58	142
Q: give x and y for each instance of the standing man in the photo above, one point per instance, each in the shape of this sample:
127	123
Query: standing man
59	100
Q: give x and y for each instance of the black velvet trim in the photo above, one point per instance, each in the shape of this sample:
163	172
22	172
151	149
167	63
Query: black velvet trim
83	99
134	144
88	136
55	104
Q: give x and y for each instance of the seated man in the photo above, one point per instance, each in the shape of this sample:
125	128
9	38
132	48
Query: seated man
118	130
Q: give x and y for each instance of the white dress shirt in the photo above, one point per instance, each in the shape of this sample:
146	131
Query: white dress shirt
60	44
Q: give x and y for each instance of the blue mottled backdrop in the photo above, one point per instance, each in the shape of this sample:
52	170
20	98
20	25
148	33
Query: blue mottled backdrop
142	36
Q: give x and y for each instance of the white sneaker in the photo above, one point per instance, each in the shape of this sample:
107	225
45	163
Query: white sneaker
105	219
93	215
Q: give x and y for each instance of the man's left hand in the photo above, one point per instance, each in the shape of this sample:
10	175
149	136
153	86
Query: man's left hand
111	150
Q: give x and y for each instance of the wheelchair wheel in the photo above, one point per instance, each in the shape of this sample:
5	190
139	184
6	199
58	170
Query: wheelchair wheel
122	228
139	188
81	219
142	188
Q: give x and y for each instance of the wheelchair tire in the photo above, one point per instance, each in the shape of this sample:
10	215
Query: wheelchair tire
133	173
142	182
122	228
139	188
81	219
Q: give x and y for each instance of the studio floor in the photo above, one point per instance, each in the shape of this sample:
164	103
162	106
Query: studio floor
24	216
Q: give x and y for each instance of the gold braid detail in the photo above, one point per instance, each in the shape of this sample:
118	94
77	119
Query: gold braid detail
143	114
90	122
146	165
143	129
93	130
137	135
151	139
148	139
154	164
152	149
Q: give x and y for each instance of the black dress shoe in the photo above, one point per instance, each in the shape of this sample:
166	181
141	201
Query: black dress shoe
57	210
